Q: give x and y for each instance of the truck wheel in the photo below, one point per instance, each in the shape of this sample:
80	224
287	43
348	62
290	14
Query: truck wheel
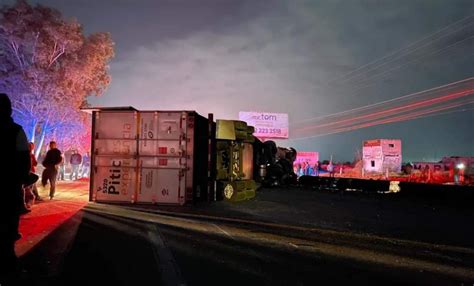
228	191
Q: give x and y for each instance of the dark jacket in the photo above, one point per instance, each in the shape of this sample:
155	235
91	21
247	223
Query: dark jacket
53	158
16	168
17	159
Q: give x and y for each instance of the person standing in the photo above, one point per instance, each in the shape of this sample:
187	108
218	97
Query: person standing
310	170
304	168
13	173
316	168
75	161
86	164
51	162
330	169
299	170
30	189
62	169
34	163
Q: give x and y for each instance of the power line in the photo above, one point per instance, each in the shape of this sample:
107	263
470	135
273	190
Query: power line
398	112
385	102
410	47
412	61
414	118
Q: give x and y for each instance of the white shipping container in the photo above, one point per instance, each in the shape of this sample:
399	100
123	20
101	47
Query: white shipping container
161	169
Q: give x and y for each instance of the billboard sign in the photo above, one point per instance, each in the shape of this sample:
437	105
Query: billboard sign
267	125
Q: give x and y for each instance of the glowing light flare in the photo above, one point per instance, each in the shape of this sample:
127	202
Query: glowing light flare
405	117
461	166
468	83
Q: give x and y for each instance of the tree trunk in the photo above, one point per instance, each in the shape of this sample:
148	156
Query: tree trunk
40	143
33	132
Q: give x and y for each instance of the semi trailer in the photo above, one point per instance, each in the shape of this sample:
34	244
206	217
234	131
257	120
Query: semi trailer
179	157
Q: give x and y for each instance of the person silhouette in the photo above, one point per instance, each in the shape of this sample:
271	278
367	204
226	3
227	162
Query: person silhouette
14	170
51	163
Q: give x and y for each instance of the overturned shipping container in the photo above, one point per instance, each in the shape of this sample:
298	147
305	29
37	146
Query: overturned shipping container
157	157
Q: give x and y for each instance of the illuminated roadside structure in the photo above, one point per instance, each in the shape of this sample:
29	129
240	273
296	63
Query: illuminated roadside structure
306	163
382	155
460	168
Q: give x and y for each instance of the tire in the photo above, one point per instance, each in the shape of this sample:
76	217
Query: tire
228	191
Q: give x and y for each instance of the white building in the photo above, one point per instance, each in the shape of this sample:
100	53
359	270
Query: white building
382	155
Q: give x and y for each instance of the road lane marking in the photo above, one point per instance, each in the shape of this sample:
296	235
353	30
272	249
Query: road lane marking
223	231
169	269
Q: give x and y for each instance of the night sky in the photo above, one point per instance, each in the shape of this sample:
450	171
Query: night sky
226	56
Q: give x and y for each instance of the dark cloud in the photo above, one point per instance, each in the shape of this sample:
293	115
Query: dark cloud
225	56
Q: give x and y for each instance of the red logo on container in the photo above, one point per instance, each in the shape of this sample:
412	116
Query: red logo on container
163	162
162	150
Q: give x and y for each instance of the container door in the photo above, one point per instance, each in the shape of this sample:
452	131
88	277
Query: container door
163	160
161	181
115	149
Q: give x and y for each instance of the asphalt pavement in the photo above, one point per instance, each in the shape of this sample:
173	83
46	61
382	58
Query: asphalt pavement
283	237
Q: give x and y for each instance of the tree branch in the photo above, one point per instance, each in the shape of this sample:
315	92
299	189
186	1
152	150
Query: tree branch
33	53
53	53
60	53
19	111
15	50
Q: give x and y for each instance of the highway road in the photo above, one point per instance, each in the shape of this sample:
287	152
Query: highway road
236	244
